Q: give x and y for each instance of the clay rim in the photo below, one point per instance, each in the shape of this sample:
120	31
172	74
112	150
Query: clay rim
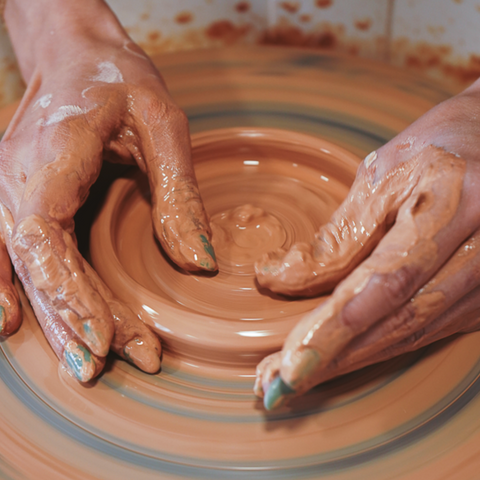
184	332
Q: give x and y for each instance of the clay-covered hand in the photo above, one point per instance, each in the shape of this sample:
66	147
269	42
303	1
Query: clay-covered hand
405	245
91	93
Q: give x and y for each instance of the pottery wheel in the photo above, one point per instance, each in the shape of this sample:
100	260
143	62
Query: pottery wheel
415	417
263	189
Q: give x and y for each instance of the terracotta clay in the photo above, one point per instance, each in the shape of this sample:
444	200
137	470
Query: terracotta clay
414	417
424	195
263	189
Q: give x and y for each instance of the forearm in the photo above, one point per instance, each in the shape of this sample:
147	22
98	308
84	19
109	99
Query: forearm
44	31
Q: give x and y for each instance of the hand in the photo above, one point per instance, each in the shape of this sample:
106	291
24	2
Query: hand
405	242
91	92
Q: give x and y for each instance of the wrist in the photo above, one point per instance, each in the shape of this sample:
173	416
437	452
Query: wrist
46	34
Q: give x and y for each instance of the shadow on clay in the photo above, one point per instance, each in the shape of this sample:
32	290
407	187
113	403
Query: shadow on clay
278	296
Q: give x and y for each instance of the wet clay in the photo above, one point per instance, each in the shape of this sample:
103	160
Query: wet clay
428	317
263	189
60	276
242	234
364	217
207	417
425	195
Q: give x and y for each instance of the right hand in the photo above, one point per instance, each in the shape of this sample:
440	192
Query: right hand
404	249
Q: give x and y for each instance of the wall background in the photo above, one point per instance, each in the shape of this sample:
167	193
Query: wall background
440	38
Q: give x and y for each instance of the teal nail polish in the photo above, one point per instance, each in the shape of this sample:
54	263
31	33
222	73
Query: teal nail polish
208	247
80	362
3	319
75	364
207	265
304	365
276	394
95	337
86	353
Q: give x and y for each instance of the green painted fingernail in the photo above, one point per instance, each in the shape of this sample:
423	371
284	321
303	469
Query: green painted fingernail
3	319
75	364
80	362
208	247
277	393
95	337
126	352
207	265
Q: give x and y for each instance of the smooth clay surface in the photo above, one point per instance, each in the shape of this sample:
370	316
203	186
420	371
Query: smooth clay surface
263	189
415	417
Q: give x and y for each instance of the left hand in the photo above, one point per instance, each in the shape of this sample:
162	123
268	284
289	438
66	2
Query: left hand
91	93
406	242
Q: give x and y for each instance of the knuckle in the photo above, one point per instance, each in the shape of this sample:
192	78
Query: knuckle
158	108
351	319
400	285
175	115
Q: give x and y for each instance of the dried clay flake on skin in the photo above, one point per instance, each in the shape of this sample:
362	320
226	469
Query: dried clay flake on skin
108	73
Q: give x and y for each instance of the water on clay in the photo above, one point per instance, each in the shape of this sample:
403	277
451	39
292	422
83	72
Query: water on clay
263	189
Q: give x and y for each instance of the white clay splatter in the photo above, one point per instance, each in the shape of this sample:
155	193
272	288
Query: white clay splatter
62	113
44	101
370	158
84	91
133	52
108	73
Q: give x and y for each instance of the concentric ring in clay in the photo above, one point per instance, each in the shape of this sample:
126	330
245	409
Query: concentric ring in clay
263	189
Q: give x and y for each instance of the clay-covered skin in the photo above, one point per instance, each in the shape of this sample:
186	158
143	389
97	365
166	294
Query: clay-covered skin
91	93
404	246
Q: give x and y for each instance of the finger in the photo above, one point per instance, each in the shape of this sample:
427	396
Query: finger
438	310
133	340
56	185
459	276
405	259
267	370
353	231
179	218
70	350
269	385
462	317
10	310
55	268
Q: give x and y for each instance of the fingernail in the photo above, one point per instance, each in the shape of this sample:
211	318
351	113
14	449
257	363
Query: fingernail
207	246
277	393
3	319
207	264
79	361
142	355
96	339
370	158
301	365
